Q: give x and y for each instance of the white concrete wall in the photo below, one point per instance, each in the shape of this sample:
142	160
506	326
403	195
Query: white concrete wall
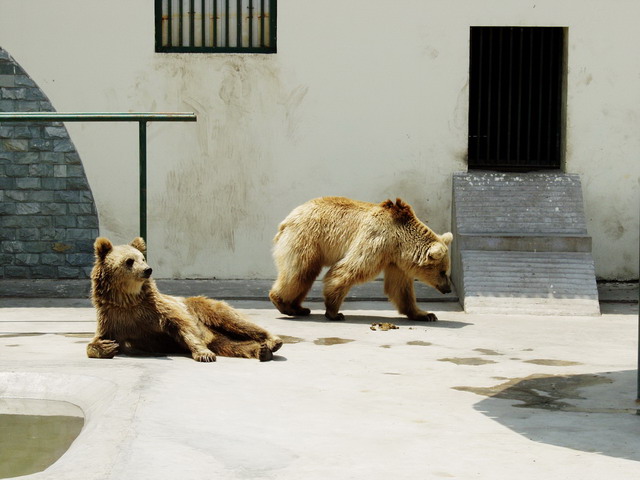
366	99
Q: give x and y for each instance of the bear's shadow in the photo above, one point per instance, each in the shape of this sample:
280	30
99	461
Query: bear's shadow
171	356
370	319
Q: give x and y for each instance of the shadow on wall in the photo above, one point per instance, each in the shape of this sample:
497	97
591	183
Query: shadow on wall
588	412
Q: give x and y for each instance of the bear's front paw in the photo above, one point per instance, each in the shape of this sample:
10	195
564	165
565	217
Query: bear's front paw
337	317
274	343
204	356
300	311
102	348
424	317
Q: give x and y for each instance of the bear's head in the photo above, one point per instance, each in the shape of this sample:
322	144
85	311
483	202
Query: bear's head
432	263
120	268
423	253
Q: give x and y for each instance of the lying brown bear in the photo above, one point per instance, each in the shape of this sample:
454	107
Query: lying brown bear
133	317
357	240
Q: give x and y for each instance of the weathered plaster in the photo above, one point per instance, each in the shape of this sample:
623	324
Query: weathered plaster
370	109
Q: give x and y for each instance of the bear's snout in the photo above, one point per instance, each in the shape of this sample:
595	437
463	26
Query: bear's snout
444	286
147	272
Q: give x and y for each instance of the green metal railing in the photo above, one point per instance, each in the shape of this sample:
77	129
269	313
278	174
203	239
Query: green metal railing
141	118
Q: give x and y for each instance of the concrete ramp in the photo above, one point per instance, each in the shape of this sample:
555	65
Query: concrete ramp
521	244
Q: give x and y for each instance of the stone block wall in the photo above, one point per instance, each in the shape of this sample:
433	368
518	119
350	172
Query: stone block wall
48	220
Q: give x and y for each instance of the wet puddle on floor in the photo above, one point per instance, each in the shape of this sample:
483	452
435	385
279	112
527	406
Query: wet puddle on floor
552	363
332	341
547	392
289	339
34	434
19	335
486	351
467	361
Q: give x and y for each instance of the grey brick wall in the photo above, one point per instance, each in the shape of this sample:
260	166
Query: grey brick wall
48	220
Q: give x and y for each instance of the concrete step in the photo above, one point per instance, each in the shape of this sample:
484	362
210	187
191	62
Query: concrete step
535	203
553	283
521	244
524	242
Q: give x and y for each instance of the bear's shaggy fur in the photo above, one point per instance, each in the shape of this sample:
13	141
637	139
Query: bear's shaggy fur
133	317
357	240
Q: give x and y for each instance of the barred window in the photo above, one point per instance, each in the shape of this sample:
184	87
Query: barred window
216	26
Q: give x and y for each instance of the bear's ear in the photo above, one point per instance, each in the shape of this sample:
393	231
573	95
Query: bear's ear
401	211
102	247
447	238
437	251
400	204
138	243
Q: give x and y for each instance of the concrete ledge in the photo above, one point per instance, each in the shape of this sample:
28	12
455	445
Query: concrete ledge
523	242
608	292
214	288
531	305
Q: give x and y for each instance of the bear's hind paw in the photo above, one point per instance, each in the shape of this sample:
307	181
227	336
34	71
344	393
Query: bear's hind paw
265	353
205	356
424	317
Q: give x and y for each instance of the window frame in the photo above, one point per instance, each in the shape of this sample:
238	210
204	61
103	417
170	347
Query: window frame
272	48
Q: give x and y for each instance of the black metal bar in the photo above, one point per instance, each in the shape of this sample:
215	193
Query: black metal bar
203	29
500	95
192	23
480	93
159	20
262	23
559	99
489	105
143	178
251	23
540	96
530	99
273	25
510	95
519	114
214	33
95	117
226	23
180	20
480	96
550	115
239	23
170	28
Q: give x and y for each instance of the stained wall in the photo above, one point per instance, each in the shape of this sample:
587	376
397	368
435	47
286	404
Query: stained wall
363	99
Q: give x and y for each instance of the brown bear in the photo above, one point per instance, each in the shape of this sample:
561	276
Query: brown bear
133	317
357	240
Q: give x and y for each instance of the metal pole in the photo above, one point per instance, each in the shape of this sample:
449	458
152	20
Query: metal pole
141	117
143	180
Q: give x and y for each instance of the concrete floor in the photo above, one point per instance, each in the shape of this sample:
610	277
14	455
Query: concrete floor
468	397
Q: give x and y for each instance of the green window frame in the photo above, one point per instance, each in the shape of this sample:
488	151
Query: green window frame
214	26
